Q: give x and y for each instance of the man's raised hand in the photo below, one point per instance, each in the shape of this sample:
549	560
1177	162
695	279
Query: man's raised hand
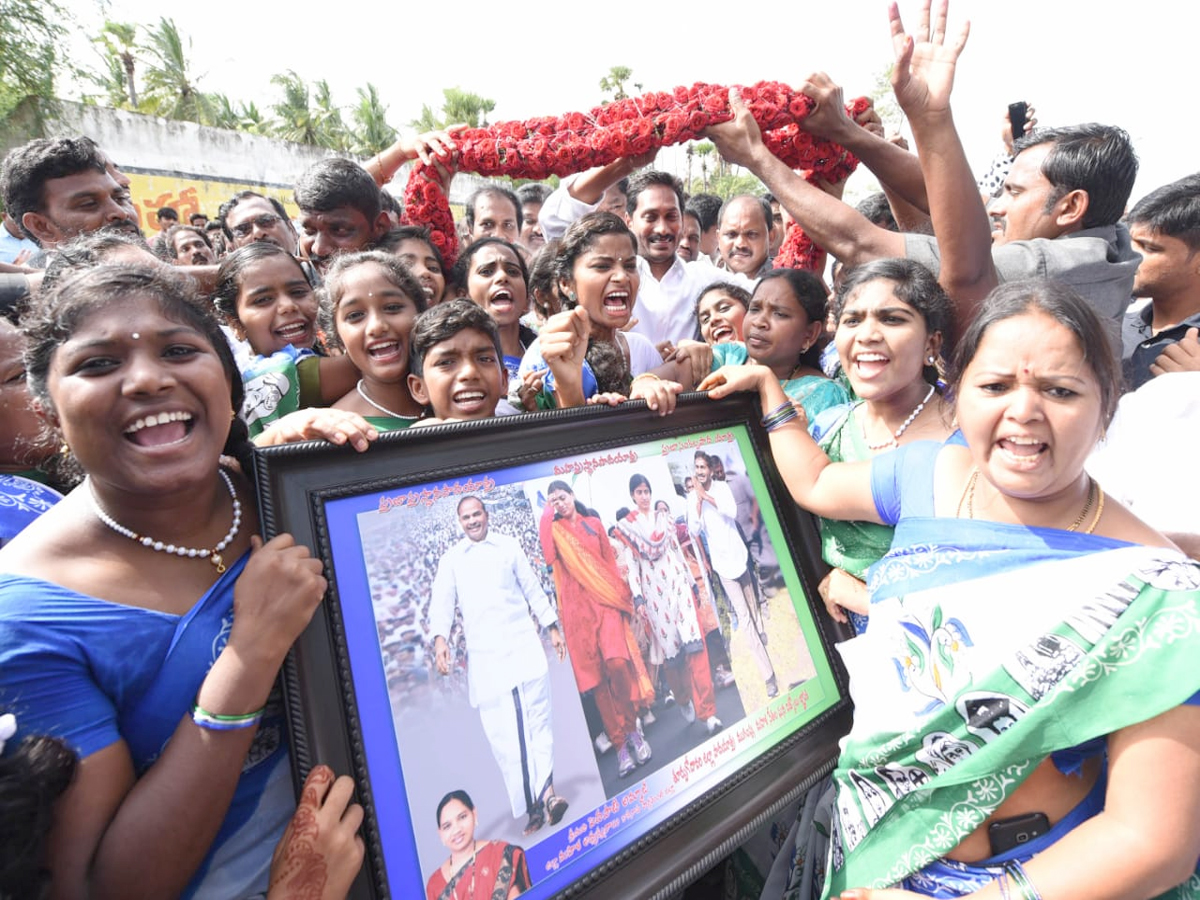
923	74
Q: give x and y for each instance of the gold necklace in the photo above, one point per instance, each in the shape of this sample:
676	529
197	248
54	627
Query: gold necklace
968	496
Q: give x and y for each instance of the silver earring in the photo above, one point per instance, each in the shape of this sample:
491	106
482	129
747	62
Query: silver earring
930	361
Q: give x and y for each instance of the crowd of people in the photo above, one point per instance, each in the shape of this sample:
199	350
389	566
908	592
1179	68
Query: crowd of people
1023	673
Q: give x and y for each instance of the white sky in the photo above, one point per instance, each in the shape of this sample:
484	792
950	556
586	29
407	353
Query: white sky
1128	64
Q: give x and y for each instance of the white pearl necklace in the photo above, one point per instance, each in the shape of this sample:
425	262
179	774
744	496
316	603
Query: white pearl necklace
891	442
383	409
213	555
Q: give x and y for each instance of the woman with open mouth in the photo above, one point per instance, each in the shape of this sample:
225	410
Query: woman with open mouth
1019	705
893	321
492	273
582	354
142	619
266	299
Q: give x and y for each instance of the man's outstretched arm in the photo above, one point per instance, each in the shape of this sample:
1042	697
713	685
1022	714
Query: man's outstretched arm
832	225
922	78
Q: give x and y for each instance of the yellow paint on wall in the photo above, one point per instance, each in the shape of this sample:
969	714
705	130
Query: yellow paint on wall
190	195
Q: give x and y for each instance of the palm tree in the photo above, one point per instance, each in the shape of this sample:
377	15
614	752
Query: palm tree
294	119
117	41
331	130
32	35
703	150
458	106
171	89
372	132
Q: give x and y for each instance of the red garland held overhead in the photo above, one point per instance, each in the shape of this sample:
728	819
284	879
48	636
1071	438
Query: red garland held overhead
562	145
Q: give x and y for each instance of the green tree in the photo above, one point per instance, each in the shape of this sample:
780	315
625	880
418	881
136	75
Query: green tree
237	116
331	130
294	119
885	101
117	43
171	90
307	116
704	150
614	83
458	106
31	32
371	132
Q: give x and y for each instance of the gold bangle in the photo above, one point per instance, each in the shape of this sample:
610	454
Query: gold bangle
646	375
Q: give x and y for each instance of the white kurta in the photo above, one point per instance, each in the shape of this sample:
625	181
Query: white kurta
508	680
719	524
493	584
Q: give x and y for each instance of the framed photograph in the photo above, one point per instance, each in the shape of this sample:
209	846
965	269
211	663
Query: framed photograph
575	653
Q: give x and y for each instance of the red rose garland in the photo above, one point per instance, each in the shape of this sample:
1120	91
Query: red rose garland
562	145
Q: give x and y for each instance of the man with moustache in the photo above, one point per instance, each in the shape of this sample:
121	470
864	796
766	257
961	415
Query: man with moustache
487	576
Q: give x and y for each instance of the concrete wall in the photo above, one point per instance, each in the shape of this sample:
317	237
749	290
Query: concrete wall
190	167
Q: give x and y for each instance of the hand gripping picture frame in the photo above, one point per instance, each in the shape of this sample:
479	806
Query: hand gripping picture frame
568	654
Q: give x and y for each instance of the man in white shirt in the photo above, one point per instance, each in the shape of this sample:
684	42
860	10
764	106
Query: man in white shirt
487	575
666	302
712	512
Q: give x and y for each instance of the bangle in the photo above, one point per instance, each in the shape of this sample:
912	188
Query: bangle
646	375
1002	884
780	415
1025	888
215	722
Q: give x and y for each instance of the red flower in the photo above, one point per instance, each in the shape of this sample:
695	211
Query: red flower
565	144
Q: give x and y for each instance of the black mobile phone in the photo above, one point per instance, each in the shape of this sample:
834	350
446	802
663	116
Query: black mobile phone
1016	115
1008	833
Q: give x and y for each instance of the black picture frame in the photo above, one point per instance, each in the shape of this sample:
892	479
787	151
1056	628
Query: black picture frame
342	705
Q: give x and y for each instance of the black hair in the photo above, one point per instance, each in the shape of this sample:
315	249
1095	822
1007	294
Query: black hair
233	266
635	481
1172	210
167	212
27	168
198	215
811	294
559	485
389	203
461	273
1067	308
168	239
878	211
397	273
228	206
642	181
54	316
915	286
764	207
31	779
442	322
335	182
495	190
533	192
580	237
606	359
543	280
461	796
735	292
706	208
89	250
476	498
1097	159
396	236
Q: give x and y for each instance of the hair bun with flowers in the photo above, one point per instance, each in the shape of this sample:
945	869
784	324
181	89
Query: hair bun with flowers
562	145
